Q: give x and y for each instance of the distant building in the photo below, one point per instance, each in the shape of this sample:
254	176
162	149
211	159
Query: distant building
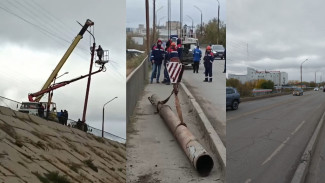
138	40
174	25
278	78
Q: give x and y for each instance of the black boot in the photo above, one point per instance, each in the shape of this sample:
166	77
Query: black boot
205	80
210	80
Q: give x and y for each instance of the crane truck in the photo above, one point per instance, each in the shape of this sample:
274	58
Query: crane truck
32	107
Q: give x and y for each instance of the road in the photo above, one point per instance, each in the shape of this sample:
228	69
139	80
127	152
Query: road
153	154
267	137
316	169
210	96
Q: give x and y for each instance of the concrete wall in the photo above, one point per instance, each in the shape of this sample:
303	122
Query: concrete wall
135	84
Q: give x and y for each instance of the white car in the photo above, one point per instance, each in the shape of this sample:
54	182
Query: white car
316	89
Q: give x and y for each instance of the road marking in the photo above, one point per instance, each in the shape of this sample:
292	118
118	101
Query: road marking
277	150
298	127
248	181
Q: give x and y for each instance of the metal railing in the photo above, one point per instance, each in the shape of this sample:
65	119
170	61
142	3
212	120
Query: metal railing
14	105
135	84
98	132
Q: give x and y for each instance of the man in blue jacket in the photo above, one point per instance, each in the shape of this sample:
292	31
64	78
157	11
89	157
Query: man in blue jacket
197	54
156	59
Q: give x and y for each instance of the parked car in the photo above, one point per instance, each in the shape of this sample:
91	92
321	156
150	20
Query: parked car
323	89
316	89
218	51
297	91
187	55
232	98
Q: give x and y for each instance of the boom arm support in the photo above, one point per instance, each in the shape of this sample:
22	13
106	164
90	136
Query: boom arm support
59	85
65	57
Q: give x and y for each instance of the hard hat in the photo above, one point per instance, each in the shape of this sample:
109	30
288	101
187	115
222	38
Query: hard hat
208	48
159	41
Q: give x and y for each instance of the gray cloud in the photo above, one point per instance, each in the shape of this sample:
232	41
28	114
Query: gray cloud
136	11
28	55
280	35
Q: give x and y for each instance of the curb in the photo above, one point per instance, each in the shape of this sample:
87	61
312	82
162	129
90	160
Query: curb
301	171
213	138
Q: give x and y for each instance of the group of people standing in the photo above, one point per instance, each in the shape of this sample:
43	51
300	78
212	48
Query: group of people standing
63	117
160	55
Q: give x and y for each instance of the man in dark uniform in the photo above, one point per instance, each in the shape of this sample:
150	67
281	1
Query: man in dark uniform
156	58
208	60
100	53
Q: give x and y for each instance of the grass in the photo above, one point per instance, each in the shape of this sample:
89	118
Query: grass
9	130
52	177
120	169
99	139
19	142
74	167
134	62
91	165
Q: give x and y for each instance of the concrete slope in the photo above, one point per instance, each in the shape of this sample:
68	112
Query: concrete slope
32	149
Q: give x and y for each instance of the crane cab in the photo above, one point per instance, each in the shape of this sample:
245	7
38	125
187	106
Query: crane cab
32	108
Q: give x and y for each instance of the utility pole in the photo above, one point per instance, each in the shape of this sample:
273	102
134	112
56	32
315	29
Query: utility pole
201	17
301	72
247	53
181	19
154	22
148	34
218	22
169	18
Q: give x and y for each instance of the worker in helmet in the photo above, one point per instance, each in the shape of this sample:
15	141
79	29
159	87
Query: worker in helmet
156	58
100	53
170	53
208	60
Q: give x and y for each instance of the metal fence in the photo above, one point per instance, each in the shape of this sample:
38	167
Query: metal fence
14	105
98	132
135	84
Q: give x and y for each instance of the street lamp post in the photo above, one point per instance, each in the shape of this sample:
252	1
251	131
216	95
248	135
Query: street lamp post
103	114
155	23
201	16
301	72
218	22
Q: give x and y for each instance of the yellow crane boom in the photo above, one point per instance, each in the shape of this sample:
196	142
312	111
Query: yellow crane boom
65	57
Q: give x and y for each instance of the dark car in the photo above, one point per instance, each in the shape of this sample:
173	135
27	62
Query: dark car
298	92
233	98
218	51
187	55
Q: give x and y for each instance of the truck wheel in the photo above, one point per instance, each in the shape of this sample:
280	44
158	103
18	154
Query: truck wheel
234	105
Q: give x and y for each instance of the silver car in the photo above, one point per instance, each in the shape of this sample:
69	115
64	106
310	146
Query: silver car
218	51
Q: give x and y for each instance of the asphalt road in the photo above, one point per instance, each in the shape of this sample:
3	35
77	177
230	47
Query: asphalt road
210	96
267	137
317	167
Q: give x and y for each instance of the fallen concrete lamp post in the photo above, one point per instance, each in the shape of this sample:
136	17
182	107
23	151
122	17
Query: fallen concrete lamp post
195	152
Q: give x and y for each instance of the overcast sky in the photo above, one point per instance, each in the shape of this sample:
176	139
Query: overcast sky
280	36
136	11
29	53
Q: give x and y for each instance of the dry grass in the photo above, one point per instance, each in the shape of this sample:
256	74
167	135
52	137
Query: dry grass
52	177
90	164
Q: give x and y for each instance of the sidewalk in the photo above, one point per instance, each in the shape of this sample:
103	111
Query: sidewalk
153	154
